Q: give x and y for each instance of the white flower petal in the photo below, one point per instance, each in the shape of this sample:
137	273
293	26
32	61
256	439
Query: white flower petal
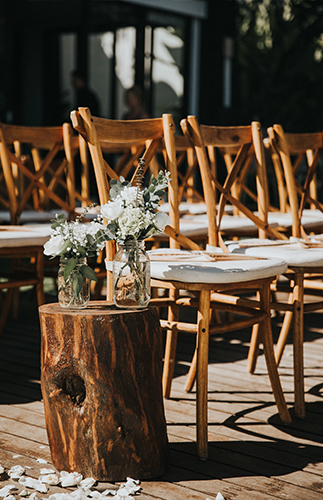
5	491
87	483
30	482
95	494
47	471
16	472
71	479
49	479
24	493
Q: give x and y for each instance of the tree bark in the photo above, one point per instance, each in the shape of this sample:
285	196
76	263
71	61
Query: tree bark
101	385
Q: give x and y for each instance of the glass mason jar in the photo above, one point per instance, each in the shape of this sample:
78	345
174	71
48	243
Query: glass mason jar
131	276
67	293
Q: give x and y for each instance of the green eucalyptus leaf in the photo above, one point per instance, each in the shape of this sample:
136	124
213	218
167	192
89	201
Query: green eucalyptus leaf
67	244
81	250
88	272
90	239
69	267
61	218
146	196
160	192
77	283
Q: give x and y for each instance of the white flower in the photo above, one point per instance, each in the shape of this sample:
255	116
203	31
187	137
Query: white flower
133	221
54	245
112	210
161	220
130	195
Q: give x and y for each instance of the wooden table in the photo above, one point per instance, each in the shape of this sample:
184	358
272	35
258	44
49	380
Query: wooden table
101	385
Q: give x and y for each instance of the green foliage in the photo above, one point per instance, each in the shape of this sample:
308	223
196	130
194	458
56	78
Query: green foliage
69	267
279	69
87	272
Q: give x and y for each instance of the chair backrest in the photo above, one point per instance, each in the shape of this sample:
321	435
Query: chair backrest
102	134
37	164
187	168
242	143
299	156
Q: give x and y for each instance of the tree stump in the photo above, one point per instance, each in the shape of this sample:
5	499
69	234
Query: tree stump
101	385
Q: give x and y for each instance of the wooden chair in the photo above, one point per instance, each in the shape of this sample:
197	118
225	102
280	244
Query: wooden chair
289	152
170	273
38	166
21	248
296	158
299	261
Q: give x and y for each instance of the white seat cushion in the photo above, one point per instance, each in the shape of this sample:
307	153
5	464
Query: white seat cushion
200	267
31	216
292	252
21	236
311	219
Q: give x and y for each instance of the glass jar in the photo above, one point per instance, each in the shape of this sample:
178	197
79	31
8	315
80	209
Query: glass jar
74	293
131	276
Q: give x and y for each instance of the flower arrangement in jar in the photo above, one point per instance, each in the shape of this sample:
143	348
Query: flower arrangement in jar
132	216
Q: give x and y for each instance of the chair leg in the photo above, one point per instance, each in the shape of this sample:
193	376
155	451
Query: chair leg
298	338
40	275
282	339
254	348
270	357
170	348
6	309
191	376
202	348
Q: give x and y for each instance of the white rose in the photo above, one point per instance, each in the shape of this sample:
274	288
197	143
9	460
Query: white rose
54	246
112	210
161	220
130	194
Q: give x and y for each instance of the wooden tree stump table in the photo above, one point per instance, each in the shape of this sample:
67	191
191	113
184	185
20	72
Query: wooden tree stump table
101	384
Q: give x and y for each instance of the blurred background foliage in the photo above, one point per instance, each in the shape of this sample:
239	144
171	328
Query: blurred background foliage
279	63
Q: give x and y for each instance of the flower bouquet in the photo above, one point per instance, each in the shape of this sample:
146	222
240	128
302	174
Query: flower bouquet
132	216
74	243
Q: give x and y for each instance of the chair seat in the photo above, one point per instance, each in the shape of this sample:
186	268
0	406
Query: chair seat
21	236
198	224
185	208
196	267
31	216
292	252
311	219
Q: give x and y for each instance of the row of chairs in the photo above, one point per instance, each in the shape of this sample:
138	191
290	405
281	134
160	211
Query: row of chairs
221	282
244	143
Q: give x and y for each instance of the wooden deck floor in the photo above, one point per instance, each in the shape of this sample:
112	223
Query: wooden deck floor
251	455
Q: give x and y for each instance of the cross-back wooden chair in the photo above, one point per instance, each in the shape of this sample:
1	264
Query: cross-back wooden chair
38	165
21	252
298	260
298	157
170	273
187	168
103	135
289	151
